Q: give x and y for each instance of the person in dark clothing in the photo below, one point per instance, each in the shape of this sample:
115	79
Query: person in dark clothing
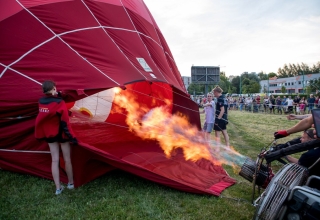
52	125
296	104
307	159
273	103
311	102
279	106
221	120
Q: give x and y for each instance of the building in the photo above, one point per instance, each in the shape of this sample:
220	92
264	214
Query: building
186	81
205	75
292	84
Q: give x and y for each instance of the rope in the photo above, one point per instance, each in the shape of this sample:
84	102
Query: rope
314	164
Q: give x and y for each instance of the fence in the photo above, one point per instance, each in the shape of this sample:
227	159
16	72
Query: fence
275	109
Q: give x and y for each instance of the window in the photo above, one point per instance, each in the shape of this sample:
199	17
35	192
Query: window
299	82
285	84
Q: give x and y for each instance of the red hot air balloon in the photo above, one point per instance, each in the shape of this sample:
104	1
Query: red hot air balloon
89	48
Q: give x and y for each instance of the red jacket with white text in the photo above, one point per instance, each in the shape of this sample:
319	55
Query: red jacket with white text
53	118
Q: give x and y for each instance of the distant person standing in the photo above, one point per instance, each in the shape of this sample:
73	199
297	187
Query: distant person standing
284	104
303	99
278	103
296	104
289	101
258	101
302	105
316	102
311	102
209	109
241	102
221	120
272	103
265	103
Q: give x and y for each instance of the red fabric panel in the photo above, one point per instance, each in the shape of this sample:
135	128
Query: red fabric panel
15	40
38	164
132	45
87	165
171	62
143	22
14	100
12	7
184	105
160	60
59	18
137	7
97	48
29	4
116	14
55	61
12	132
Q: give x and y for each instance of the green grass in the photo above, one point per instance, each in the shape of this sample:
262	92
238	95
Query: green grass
119	195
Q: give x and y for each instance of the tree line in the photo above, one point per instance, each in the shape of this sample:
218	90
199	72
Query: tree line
292	70
249	83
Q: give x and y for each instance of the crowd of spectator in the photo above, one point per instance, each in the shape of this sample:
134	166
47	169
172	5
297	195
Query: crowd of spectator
272	104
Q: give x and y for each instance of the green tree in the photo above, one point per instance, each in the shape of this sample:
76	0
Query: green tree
224	82
291	70
235	83
262	76
195	88
272	74
283	89
315	85
315	68
223	86
252	76
308	90
250	86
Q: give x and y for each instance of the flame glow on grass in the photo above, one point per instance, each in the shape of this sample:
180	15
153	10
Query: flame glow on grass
173	132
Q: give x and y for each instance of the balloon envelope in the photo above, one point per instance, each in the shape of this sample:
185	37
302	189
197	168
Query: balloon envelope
87	48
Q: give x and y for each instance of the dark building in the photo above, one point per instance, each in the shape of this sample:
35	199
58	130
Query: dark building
205	74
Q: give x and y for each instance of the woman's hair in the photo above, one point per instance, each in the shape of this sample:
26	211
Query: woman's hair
217	89
48	86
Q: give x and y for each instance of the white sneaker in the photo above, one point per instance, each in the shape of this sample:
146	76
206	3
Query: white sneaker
70	186
59	191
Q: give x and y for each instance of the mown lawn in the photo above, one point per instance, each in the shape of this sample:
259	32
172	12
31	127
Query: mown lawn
119	195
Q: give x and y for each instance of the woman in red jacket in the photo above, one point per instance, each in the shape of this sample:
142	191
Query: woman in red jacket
52	125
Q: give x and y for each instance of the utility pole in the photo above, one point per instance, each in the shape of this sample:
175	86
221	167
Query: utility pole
240	85
268	85
302	82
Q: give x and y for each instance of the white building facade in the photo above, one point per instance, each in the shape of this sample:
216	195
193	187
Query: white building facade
186	81
292	84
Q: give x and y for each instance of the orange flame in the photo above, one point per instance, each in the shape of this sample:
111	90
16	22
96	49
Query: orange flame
172	131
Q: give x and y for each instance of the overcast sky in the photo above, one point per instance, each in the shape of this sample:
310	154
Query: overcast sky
239	35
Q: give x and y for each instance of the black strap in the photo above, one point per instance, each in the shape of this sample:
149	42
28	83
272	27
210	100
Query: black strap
282	161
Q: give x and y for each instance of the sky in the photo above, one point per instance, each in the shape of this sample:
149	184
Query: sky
239	36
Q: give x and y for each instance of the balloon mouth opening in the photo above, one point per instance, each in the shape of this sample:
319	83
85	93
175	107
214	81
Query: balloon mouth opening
85	112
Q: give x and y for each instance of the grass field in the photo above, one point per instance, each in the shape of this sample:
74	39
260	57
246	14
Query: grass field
119	195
